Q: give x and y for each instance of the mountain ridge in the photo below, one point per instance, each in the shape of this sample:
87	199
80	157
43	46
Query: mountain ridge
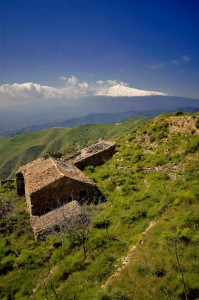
100	118
43	112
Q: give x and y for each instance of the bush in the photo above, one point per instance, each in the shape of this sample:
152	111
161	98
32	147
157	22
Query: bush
142	270
179	113
112	294
101	223
101	268
68	266
6	264
193	145
159	271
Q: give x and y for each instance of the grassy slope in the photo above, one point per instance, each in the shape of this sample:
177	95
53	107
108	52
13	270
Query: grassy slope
138	197
23	148
135	198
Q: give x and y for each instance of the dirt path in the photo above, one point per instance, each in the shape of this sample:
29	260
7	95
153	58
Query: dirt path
44	279
126	260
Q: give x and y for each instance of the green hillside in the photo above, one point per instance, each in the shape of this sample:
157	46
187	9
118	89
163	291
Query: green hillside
23	148
153	177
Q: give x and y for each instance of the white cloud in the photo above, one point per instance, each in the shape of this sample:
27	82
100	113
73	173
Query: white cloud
178	61
72	80
19	93
73	88
157	66
63	78
28	89
181	60
112	82
186	58
100	82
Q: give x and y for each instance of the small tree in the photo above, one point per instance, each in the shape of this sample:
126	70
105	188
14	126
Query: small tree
75	223
77	229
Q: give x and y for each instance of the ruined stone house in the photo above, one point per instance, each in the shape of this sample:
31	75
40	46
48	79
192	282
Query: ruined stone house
47	183
56	220
94	155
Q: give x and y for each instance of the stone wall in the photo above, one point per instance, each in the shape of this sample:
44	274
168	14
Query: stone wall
56	220
61	191
94	158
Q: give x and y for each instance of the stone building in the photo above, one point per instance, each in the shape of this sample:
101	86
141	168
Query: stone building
56	220
47	183
94	155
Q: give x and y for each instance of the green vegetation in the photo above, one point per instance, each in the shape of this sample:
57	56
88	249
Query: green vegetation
152	177
23	148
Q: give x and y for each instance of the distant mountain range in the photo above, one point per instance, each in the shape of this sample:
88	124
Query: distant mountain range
90	110
106	118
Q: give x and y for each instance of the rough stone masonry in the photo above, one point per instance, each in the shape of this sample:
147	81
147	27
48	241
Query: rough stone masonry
49	183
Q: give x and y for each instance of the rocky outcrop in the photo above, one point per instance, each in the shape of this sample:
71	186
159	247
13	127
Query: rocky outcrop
186	125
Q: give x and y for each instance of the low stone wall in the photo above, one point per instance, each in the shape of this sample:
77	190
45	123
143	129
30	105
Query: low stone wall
164	168
56	220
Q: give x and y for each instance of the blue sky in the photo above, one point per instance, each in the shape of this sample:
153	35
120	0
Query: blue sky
150	45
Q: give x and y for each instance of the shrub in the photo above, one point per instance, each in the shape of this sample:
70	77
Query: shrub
101	268
142	270
68	266
179	113
101	223
97	241
112	294
134	216
193	145
55	154
159	271
197	123
6	264
184	234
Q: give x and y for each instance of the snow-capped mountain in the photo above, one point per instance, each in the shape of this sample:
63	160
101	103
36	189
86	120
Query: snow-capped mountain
120	90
